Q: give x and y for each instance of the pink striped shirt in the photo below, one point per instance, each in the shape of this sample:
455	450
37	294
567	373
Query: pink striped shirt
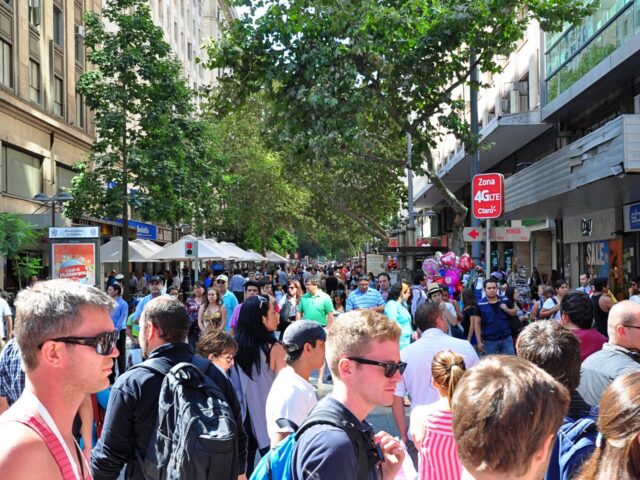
438	456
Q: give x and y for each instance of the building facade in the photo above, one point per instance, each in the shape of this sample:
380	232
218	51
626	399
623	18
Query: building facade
571	161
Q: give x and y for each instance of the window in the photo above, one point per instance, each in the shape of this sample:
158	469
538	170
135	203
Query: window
175	32
8	2
79	43
6	72
34	81
58	27
23	173
58	97
190	51
79	110
34	13
64	177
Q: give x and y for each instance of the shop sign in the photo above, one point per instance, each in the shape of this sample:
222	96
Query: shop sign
145	231
488	195
498	234
596	258
632	217
74	232
586	227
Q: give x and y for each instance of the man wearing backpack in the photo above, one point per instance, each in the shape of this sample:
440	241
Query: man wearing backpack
364	357
556	350
129	432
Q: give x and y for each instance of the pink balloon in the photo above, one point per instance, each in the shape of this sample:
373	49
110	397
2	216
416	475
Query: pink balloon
466	263
452	277
430	267
448	259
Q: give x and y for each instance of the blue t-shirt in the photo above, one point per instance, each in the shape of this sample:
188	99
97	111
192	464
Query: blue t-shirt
324	451
230	303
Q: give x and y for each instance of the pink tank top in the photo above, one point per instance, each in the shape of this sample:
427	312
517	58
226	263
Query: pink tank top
55	447
438	456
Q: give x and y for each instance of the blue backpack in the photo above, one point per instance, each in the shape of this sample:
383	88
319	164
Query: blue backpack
277	463
574	444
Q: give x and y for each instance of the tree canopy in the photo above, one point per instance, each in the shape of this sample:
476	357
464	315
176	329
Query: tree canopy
346	80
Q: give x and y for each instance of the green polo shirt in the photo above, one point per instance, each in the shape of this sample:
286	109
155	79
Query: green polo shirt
315	307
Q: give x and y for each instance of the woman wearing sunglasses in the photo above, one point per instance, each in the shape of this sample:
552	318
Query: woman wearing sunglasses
260	357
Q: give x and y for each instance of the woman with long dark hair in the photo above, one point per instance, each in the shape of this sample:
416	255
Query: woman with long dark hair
514	312
212	314
470	314
259	359
617	453
193	307
289	304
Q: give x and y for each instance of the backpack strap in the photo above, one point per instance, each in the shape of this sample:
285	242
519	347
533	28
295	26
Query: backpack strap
361	441
286	423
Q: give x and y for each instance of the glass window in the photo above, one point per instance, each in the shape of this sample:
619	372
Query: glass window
34	81
79	43
23	173
6	72
79	110
58	27
34	13
58	97
64	177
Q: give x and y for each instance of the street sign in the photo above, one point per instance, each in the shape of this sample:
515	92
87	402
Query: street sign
497	234
488	195
74	232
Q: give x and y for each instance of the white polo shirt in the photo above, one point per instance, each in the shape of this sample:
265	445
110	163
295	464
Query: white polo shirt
416	379
291	397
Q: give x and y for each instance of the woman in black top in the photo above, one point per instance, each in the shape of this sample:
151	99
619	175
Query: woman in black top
470	314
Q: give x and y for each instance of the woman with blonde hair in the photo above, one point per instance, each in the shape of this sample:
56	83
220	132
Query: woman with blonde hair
617	453
431	425
212	314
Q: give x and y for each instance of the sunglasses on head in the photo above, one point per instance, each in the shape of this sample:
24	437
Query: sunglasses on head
390	369
103	343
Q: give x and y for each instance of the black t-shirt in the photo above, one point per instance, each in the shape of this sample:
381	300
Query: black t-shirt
467	313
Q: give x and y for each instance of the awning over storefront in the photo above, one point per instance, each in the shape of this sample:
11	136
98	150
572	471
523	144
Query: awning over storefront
507	134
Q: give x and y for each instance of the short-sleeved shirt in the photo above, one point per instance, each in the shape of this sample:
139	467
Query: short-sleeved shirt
11	374
591	341
230	303
369	299
549	303
5	311
316	307
326	452
291	397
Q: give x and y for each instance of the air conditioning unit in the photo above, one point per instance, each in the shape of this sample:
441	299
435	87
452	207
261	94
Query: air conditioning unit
523	87
79	30
505	105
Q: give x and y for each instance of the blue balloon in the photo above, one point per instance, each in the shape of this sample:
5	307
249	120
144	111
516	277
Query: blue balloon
443	271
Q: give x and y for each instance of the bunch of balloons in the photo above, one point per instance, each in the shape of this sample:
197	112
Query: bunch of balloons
447	269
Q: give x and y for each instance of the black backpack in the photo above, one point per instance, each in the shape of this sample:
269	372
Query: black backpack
195	434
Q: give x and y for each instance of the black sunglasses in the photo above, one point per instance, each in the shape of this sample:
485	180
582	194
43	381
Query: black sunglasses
220	281
390	369
103	343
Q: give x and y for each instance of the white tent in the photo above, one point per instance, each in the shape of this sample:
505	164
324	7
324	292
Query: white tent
241	255
258	257
139	251
176	251
273	257
225	252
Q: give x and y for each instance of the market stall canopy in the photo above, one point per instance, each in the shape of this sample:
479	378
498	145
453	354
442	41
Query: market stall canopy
139	250
225	252
242	255
259	258
273	257
176	251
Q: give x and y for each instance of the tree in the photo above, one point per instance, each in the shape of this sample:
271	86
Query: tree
147	156
15	235
332	70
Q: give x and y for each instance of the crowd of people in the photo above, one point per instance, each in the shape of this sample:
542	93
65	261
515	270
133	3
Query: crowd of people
492	389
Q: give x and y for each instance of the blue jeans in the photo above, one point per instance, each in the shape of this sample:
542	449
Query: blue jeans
504	346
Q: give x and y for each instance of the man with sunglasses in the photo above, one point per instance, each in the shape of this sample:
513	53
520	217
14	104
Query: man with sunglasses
133	403
67	344
618	356
364	357
229	300
155	290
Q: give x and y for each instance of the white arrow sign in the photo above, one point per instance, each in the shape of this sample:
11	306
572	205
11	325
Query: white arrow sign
498	234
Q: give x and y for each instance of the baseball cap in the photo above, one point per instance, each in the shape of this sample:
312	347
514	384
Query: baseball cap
120	276
433	288
223	278
301	332
155	279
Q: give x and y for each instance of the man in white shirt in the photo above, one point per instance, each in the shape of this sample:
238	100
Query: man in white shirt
416	379
551	306
291	396
5	318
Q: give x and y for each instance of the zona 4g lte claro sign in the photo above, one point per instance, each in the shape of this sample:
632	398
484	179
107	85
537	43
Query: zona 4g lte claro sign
488	195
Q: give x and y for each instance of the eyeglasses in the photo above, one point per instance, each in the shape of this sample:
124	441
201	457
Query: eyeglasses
226	356
631	326
104	343
390	369
262	300
220	281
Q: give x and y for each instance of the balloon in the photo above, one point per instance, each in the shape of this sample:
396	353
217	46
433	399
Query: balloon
459	288
452	277
448	259
457	262
439	281
430	267
437	256
465	263
443	272
452	290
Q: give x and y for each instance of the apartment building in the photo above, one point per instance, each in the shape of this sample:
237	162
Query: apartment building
571	159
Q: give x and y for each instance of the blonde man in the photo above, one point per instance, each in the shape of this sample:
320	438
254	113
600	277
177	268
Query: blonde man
364	357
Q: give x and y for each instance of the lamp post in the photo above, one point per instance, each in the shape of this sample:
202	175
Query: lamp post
59	197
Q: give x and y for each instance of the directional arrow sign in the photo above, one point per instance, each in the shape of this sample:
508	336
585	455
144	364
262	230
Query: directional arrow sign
473	234
498	234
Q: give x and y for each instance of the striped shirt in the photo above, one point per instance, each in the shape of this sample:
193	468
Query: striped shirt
438	455
369	299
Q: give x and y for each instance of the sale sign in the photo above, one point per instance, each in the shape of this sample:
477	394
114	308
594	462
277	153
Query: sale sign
488	195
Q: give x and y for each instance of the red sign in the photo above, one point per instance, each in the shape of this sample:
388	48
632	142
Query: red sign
488	195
